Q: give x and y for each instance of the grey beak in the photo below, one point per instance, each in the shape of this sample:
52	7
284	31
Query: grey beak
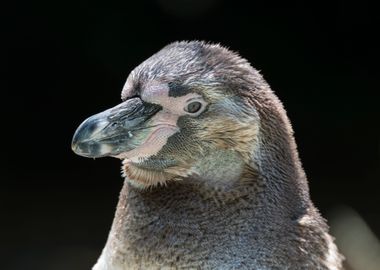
110	133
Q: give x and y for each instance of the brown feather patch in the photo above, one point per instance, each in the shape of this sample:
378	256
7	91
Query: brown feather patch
228	133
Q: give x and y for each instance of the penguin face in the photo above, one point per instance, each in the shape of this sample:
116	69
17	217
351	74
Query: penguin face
178	105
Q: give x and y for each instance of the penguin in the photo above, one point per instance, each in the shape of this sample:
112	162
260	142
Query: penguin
213	179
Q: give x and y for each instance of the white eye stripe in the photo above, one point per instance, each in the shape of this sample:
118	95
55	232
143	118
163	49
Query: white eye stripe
158	93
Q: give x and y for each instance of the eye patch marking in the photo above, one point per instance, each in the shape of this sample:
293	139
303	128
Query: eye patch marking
159	93
176	89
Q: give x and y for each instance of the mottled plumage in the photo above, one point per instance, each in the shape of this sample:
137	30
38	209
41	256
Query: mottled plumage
214	185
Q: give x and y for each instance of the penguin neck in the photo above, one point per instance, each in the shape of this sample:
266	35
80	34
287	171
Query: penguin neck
222	182
215	204
165	217
179	208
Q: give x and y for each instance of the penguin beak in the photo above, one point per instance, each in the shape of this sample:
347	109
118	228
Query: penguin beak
112	132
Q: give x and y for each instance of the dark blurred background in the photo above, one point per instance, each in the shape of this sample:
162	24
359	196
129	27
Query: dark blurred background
64	61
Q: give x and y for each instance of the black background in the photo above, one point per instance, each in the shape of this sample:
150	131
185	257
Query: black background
65	61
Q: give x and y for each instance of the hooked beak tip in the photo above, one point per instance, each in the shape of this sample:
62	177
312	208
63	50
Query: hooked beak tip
74	142
74	147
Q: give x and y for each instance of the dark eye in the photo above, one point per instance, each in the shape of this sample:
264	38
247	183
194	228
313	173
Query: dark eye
193	107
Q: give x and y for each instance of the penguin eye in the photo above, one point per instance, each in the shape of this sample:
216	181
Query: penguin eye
193	107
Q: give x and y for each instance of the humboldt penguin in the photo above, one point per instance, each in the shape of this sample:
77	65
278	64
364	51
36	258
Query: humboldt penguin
212	174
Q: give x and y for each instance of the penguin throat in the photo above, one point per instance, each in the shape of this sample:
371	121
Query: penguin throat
220	169
143	177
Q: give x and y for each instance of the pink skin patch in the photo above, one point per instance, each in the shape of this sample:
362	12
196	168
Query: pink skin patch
152	145
164	123
158	93
127	89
